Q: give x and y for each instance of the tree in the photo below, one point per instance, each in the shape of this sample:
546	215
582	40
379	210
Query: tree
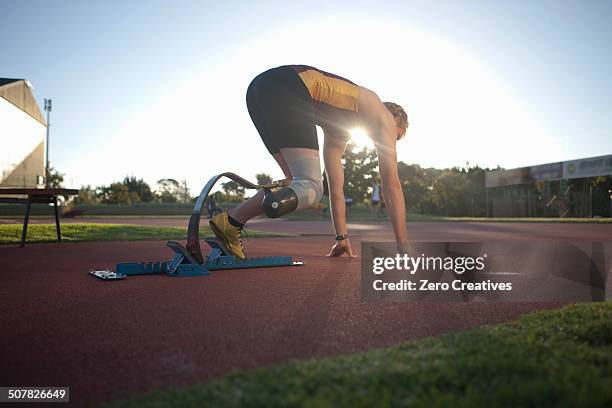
263	179
448	193
360	167
476	192
140	187
118	193
168	190
88	196
56	179
414	184
183	192
233	191
218	196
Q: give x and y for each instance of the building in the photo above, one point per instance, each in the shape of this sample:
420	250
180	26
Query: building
22	136
575	188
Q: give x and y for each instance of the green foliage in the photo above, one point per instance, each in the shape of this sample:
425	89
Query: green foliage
448	192
140	187
415	186
263	179
234	192
360	168
130	191
55	178
218	196
476	204
118	193
87	196
171	191
560	358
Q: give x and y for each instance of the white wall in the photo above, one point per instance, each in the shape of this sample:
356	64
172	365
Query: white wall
19	135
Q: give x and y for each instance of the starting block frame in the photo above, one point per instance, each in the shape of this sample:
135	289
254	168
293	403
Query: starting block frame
188	261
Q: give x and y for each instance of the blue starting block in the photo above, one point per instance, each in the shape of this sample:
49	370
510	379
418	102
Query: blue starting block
183	264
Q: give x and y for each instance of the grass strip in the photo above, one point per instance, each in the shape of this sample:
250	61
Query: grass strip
560	358
10	234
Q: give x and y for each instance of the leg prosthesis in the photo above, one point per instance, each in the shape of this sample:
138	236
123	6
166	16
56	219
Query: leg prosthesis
304	191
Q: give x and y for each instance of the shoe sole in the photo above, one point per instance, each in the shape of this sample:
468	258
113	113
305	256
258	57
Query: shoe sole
222	242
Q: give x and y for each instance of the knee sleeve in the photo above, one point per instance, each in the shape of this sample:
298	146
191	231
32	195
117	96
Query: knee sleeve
307	182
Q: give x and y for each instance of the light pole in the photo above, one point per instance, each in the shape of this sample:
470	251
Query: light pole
48	110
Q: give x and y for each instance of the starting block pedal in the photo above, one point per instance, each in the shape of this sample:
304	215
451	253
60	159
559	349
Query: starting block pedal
107	274
182	263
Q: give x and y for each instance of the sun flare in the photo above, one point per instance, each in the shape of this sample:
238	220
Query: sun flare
360	138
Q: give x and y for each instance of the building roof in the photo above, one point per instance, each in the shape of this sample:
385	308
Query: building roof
19	93
6	81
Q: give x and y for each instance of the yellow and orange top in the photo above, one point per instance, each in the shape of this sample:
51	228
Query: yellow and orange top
328	88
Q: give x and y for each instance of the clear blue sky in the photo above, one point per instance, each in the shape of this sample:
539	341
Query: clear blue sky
156	88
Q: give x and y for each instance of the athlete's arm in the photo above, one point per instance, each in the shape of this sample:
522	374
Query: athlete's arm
333	149
381	126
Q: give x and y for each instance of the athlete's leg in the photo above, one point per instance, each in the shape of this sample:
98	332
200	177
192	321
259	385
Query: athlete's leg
254	101
224	224
283	113
305	168
252	207
302	168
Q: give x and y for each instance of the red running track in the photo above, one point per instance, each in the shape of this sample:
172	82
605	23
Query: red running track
108	340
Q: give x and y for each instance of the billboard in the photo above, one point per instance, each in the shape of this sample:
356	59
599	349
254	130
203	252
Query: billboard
581	168
523	175
590	167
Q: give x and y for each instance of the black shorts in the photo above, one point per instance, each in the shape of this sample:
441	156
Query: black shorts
282	110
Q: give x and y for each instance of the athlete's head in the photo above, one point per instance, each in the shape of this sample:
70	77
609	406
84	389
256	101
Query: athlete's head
401	118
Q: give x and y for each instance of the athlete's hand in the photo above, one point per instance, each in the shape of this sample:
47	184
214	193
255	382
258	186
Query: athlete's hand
342	247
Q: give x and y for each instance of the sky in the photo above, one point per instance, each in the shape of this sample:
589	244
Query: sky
156	89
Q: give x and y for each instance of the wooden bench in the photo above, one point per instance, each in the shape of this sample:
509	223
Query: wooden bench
36	196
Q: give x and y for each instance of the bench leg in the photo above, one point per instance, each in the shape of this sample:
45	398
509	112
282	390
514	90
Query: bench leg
57	223
24	231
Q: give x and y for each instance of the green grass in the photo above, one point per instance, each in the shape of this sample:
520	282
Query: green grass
96	216
560	358
11	233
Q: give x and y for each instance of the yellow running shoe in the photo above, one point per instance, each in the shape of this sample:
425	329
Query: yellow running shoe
227	234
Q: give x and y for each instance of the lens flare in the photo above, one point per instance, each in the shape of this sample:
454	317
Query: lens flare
360	138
